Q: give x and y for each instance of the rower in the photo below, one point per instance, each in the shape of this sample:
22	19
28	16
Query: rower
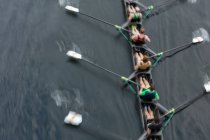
147	92
139	37
135	16
156	124
142	61
136	3
148	114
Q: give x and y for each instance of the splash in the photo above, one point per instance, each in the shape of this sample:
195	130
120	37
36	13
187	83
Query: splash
62	3
207	83
70	99
206	79
206	71
202	33
78	98
61	46
59	98
189	1
76	48
74	3
192	1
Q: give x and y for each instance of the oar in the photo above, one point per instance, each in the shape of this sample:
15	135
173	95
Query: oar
143	136
182	106
195	40
75	55
189	102
151	7
141	5
76	10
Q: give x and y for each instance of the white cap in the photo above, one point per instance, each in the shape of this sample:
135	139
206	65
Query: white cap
73	118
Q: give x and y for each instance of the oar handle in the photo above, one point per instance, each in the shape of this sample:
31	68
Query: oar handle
159	54
126	79
169	112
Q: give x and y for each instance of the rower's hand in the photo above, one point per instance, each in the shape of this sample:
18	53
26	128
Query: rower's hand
151	7
118	27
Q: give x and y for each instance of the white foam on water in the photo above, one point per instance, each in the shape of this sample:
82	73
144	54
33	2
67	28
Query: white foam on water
76	48
59	98
192	1
74	3
70	99
79	100
207	80
202	33
62	2
61	46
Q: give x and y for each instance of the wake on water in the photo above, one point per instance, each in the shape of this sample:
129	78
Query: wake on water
70	99
203	33
192	1
74	3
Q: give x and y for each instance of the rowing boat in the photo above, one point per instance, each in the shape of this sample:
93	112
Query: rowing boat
147	75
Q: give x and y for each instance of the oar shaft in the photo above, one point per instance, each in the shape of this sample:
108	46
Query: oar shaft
98	19
162	4
173	49
179	47
185	104
103	21
109	71
188	103
96	65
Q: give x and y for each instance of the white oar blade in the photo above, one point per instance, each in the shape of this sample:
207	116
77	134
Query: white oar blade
197	40
71	8
74	55
73	118
207	86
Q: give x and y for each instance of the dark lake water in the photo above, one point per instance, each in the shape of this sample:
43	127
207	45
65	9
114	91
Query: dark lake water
39	85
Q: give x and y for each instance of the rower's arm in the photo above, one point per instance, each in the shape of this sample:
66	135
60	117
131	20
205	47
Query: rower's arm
156	97
140	91
139	4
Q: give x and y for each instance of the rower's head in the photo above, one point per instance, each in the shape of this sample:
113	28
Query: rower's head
142	30
137	9
145	59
